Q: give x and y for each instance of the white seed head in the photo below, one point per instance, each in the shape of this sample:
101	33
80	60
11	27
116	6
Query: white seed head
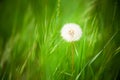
71	32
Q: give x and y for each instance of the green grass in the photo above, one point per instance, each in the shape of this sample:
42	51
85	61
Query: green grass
31	47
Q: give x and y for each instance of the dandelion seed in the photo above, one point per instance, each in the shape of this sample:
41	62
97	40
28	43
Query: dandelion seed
71	32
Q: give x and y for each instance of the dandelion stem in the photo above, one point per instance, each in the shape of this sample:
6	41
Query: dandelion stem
72	56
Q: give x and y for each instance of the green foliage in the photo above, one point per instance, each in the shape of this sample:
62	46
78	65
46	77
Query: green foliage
31	47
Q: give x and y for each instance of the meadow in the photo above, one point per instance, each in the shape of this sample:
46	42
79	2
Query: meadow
32	48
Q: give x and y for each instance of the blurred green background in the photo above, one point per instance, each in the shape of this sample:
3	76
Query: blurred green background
31	47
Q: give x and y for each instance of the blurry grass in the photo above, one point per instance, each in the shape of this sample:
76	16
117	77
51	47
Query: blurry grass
31	47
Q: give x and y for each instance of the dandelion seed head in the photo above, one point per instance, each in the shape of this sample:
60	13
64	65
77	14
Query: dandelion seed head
71	32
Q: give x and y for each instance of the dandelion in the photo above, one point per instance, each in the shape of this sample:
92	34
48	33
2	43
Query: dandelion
71	32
